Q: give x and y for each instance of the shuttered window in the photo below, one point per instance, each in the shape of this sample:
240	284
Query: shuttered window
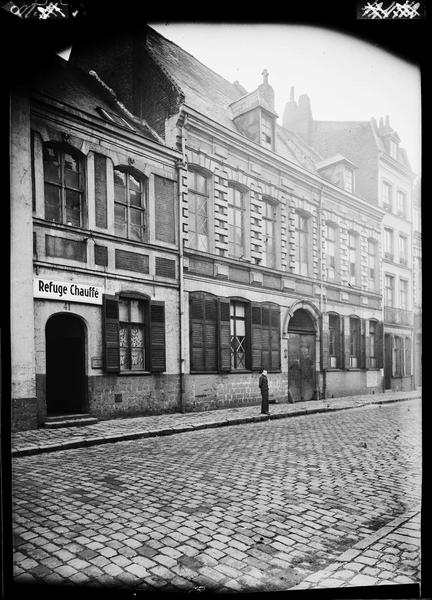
355	343
230	335
334	342
164	209
133	334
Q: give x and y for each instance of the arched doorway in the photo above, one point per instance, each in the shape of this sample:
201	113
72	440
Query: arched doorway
301	357
66	385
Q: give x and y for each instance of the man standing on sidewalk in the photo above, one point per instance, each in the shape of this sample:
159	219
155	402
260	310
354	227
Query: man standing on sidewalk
263	384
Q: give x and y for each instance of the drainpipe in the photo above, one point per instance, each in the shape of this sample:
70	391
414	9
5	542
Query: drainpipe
324	390
180	165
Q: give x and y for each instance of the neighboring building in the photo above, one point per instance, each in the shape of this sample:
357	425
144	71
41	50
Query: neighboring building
281	266
94	254
417	282
383	178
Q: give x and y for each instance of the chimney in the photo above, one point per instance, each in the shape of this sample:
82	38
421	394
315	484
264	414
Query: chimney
298	117
387	121
381	123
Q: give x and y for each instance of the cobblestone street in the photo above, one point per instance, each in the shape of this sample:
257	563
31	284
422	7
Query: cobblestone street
251	507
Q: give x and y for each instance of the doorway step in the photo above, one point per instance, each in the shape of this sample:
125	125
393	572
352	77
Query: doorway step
77	420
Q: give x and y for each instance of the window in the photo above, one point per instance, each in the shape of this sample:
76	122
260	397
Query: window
331	251
348	178
393	149
265	337
236	222
129	205
64	186
397	356
388	243
373	341
132	335
353	254
302	244
401	203
372	264
266	132
403	294
334	341
198	204
238	335
354	342
387	196
269	231
388	290
403	250
203	310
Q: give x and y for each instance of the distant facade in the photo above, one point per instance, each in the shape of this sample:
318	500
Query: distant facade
384	179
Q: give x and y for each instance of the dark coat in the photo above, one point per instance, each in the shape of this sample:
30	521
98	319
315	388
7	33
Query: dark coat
263	383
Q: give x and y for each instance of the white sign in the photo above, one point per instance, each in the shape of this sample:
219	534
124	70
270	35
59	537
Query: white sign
371	378
67	291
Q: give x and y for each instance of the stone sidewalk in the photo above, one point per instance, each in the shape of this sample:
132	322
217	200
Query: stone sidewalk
40	440
389	556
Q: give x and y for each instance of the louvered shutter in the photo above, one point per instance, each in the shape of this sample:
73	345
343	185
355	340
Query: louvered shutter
325	339
157	337
210	334
380	345
266	330
367	343
111	342
224	335
164	209
196	334
100	178
363	341
275	339
256	336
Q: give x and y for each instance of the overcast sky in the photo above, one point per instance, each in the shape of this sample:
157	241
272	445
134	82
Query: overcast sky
345	78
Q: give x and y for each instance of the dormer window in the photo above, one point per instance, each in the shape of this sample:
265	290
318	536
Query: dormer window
393	149
348	180
266	132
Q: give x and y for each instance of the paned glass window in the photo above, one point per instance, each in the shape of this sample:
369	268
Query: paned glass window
198	205
348	180
403	292
266	132
64	186
302	244
389	290
269	237
236	217
388	243
129	205
238	335
401	203
372	264
353	252
331	251
403	250
132	334
387	196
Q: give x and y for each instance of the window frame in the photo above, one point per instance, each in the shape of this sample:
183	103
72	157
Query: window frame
373	344
355	342
372	258
334	341
302	243
388	243
403	249
387	198
193	195
234	209
61	185
269	221
128	206
353	252
334	244
401	206
144	307
389	298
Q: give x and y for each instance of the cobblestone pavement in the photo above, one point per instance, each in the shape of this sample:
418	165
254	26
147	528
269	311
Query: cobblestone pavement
43	440
391	555
252	507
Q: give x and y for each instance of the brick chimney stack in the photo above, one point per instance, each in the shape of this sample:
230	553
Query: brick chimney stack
297	117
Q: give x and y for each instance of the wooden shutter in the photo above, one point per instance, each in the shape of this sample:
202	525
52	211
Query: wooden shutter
325	339
196	334
266	331
111	342
408	370
379	345
363	341
275	339
210	334
256	336
100	177
224	335
157	337
164	209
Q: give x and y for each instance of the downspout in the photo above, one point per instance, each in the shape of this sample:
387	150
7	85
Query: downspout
324	372
180	165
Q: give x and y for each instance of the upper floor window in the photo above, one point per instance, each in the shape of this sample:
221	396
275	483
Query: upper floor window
348	179
354	342
238	335
266	132
393	149
64	186
388	243
331	235
236	222
386	196
198	206
403	294
269	234
388	290
302	244
403	250
372	264
353	257
129	205
401	203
